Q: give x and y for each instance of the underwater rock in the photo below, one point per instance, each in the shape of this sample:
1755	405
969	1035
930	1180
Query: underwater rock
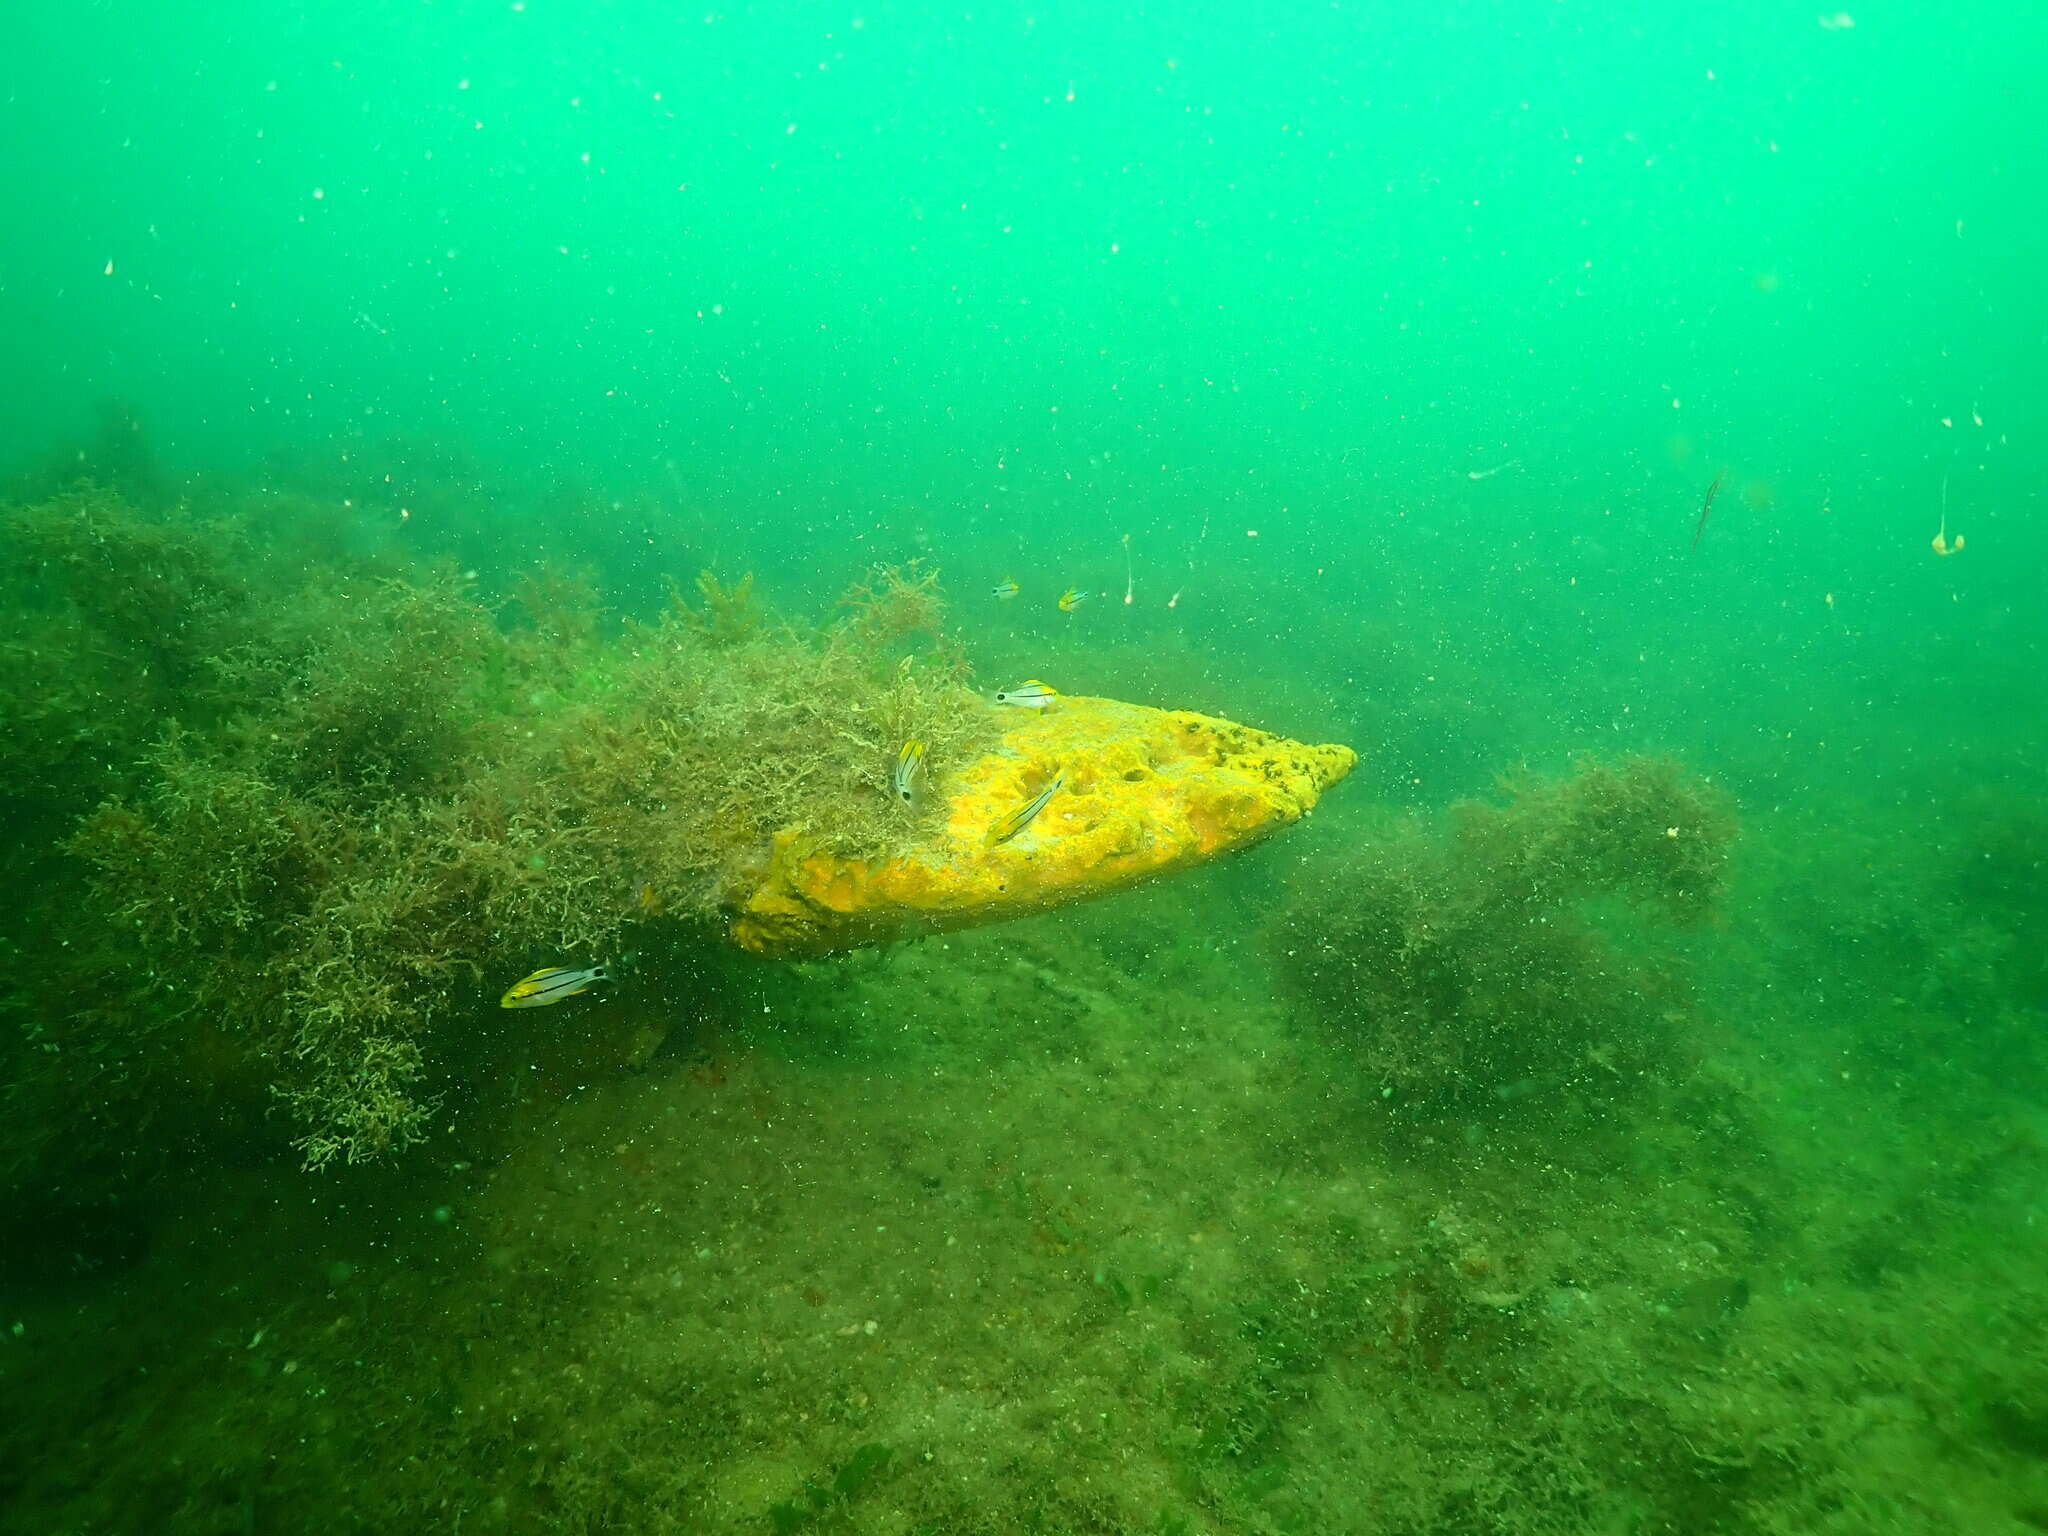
1510	963
1140	792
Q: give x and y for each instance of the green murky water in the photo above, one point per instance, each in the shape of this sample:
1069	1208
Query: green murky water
1615	1109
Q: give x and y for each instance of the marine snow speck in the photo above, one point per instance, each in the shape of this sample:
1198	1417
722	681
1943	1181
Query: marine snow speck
551	984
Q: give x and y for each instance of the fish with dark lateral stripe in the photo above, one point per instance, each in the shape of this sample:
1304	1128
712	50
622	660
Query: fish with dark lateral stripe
551	984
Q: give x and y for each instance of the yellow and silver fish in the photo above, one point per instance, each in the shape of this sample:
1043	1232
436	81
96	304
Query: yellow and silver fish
909	764
551	984
1004	589
1073	598
1006	827
1030	694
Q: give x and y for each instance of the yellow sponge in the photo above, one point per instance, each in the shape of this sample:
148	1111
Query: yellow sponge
1141	791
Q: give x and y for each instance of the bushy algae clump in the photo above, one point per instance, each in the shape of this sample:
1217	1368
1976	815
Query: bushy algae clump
360	807
107	619
1497	959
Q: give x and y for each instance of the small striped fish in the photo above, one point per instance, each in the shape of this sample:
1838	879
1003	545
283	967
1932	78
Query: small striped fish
1028	695
909	763
1006	827
551	984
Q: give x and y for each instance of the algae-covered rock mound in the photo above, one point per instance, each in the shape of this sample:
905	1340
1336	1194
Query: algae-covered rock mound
1518	959
1129	792
290	851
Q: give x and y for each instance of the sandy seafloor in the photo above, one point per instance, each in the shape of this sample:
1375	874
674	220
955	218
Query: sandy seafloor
1077	1225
